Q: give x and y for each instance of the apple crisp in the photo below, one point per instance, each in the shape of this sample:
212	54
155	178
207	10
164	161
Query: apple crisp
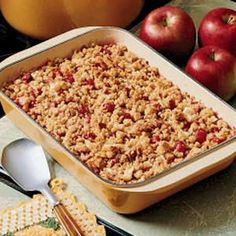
116	113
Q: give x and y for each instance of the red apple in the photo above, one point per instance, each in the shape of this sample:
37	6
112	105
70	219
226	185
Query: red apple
218	28
169	30
215	68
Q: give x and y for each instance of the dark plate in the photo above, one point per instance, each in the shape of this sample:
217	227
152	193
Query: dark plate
111	229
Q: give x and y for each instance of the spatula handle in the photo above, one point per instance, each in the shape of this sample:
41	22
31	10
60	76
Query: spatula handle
67	221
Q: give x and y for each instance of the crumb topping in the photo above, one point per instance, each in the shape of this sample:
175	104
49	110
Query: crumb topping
116	113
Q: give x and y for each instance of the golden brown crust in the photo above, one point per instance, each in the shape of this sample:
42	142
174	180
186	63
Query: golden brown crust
117	113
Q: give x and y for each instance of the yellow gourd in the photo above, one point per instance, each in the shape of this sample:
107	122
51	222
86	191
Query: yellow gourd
43	19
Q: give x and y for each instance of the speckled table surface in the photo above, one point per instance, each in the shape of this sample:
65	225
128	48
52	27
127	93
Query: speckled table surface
207	208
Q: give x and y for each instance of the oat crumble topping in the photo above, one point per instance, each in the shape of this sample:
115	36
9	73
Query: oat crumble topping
116	113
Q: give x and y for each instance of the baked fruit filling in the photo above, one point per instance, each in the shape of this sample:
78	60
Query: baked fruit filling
116	113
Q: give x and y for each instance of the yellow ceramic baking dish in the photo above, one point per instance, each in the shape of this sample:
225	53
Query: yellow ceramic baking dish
120	198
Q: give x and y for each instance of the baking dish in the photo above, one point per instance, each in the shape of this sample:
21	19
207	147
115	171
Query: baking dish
120	198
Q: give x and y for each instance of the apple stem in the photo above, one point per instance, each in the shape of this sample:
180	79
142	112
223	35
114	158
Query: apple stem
212	56
231	20
164	22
